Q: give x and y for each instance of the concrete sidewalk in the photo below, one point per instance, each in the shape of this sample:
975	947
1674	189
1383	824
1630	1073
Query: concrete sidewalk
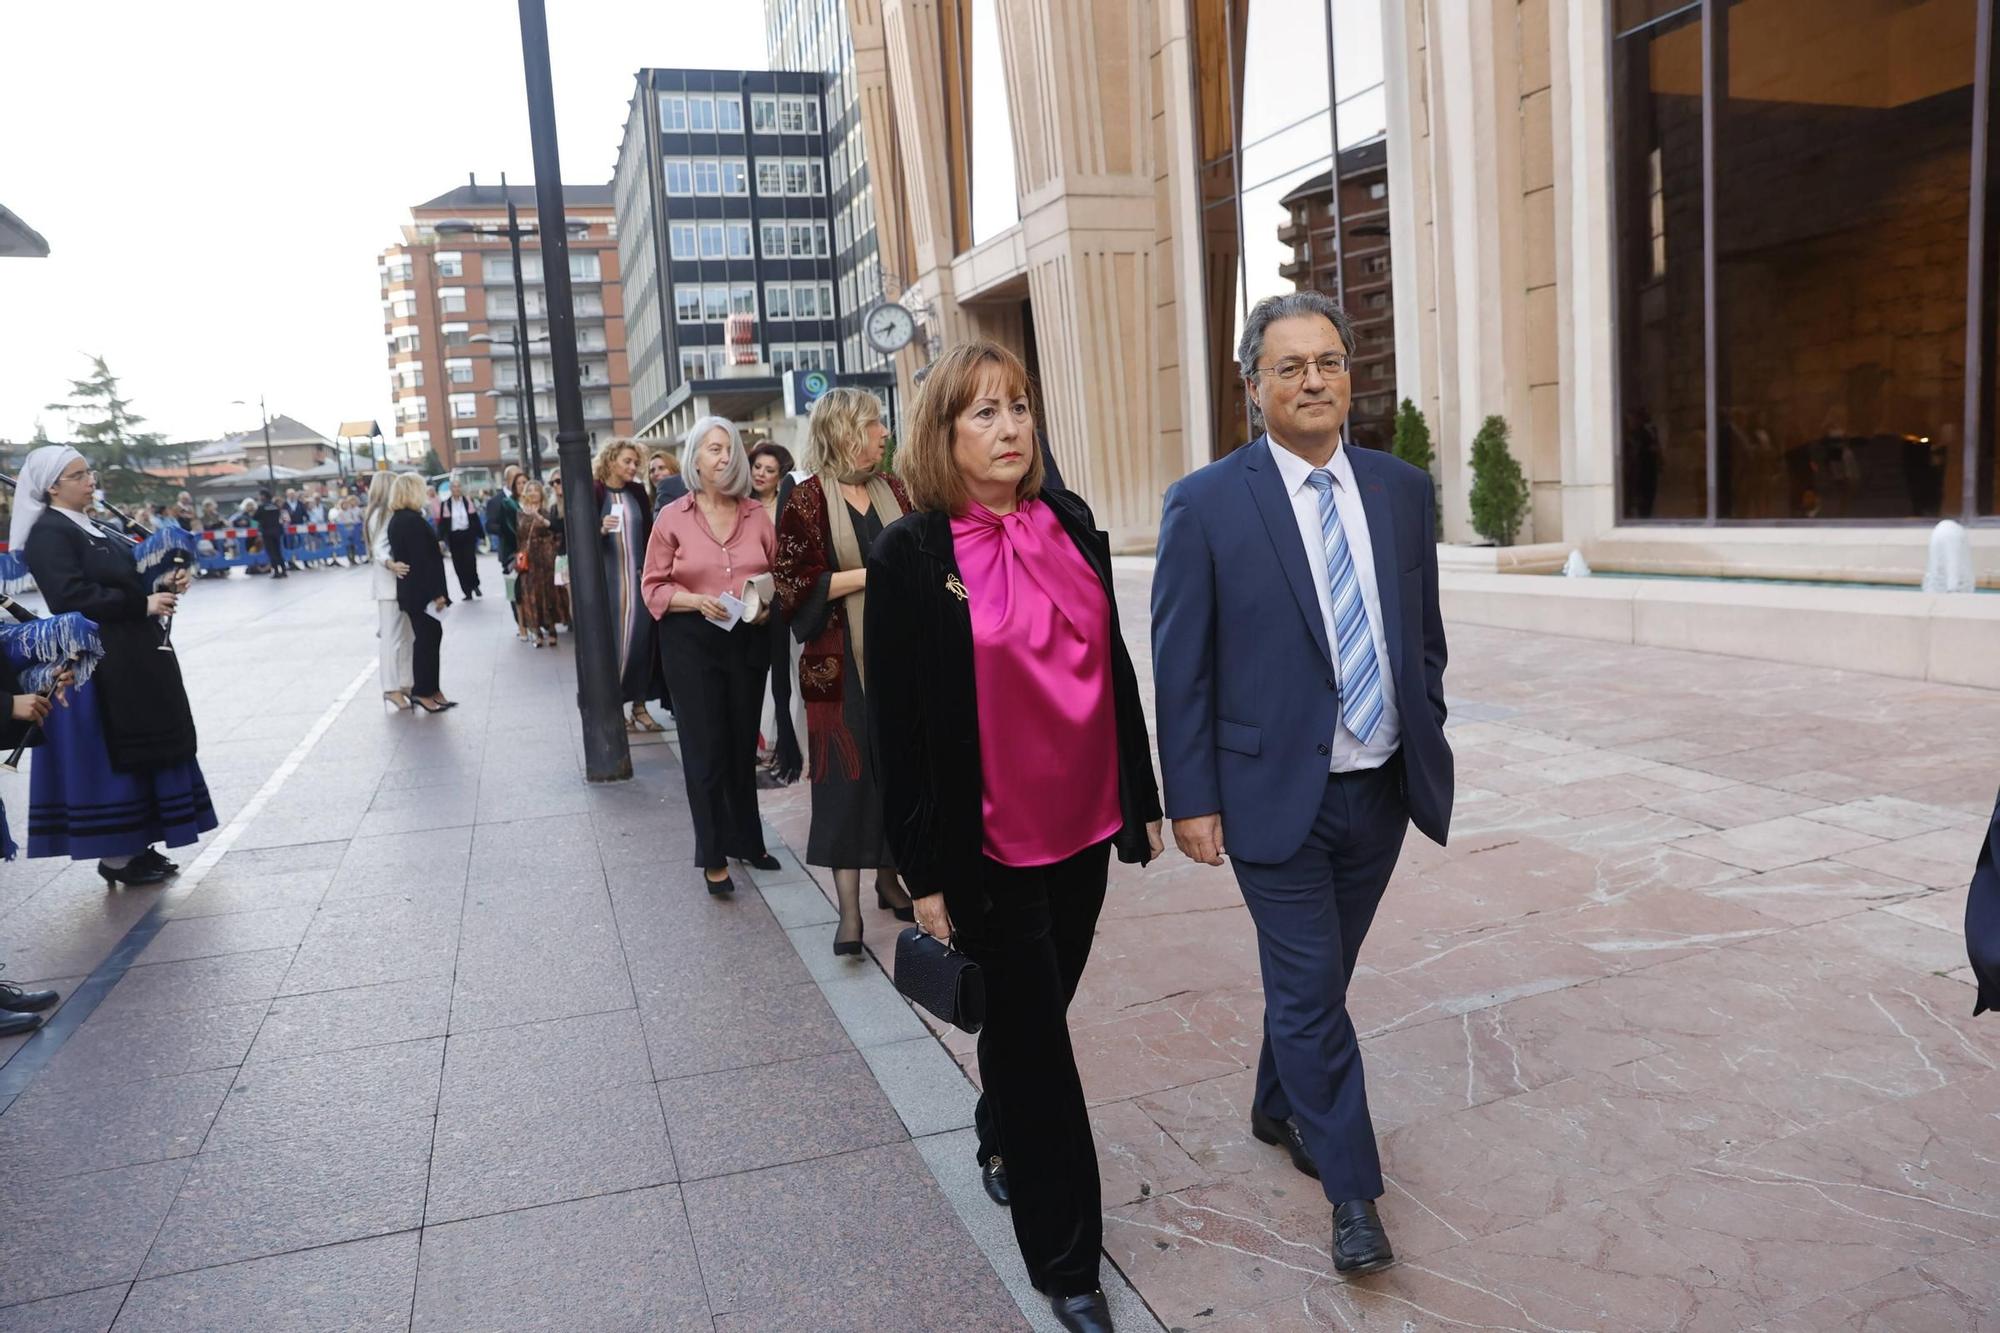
439	1036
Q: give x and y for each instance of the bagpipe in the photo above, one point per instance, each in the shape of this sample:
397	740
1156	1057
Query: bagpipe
40	649
159	553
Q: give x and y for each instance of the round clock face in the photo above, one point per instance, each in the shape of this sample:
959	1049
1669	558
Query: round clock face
890	327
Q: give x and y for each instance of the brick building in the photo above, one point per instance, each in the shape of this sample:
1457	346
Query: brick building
1347	257
445	289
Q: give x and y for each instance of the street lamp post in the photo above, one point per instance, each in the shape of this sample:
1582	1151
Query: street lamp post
606	755
270	460
531	446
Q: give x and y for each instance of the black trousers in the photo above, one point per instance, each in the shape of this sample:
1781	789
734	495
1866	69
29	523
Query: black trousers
717	682
1032	943
274	549
428	636
464	559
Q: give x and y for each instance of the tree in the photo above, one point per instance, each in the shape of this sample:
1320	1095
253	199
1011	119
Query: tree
1412	444
107	431
431	464
1499	491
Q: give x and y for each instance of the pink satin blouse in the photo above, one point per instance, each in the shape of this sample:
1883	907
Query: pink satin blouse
1041	656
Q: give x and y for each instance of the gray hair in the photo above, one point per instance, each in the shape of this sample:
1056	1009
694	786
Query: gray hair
735	478
1289	306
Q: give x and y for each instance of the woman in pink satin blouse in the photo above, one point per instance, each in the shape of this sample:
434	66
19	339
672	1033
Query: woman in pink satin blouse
1012	757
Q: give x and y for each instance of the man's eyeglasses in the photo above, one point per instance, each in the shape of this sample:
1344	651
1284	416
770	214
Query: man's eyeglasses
1331	366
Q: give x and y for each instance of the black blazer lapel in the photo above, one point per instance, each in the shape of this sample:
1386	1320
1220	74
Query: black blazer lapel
1382	544
1267	489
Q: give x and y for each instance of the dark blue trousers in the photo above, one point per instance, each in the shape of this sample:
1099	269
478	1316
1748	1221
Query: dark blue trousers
1312	912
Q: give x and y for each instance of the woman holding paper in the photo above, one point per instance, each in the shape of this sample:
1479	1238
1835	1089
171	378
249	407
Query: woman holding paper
824	535
421	592
706	577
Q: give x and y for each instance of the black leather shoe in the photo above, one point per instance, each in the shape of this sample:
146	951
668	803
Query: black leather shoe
993	1176
14	1025
766	861
133	874
907	912
1360	1245
1087	1313
721	888
151	857
13	999
1284	1133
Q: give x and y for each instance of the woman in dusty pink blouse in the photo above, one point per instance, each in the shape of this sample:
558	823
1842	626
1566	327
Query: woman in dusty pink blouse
706	546
1012	758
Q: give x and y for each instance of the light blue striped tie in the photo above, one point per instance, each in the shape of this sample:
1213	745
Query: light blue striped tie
1360	673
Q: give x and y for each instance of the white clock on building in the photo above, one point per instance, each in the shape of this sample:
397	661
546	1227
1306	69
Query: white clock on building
889	328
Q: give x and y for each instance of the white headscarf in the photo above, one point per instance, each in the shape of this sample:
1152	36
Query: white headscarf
31	496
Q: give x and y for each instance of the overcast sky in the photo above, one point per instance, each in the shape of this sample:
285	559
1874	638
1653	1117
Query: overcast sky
215	179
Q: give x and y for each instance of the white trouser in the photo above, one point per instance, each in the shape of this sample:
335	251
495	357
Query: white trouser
395	641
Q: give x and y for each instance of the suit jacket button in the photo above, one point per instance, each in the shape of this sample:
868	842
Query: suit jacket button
1324	750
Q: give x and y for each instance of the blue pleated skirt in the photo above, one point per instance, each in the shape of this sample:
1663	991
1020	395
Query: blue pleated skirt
80	807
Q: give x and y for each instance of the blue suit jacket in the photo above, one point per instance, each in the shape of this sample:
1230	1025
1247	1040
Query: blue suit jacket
1247	696
1982	920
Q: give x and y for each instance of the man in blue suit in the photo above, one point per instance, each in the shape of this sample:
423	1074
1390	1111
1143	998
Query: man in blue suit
1299	658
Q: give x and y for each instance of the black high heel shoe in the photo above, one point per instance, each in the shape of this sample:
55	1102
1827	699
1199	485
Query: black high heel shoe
845	948
721	888
907	912
764	861
430	707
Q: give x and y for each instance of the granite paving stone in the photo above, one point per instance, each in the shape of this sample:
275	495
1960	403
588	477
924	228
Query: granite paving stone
504	1157
235	932
83	1231
61	1133
198	983
723	1027
787	1112
532	1065
836	1236
295	1194
361	1285
80	1312
338	1020
348	1091
138	1044
617	1262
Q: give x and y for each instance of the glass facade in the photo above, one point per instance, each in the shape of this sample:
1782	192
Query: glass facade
1277	84
1793	188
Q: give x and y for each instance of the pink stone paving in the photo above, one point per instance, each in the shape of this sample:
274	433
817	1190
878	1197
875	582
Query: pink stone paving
1676	1033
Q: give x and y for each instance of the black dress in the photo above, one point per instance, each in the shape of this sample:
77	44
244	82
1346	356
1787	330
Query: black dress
847	831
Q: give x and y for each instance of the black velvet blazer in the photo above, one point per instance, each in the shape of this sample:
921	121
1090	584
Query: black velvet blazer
923	715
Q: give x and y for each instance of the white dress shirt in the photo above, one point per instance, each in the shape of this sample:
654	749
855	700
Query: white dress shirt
1349	754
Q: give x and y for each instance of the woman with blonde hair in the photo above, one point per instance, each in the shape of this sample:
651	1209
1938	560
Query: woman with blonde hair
663	475
420	591
708	546
392	628
625	525
825	531
1014	762
535	560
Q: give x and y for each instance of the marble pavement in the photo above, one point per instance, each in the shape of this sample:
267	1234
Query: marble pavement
1675	1034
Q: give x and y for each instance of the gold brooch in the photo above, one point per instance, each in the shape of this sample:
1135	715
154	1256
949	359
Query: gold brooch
954	587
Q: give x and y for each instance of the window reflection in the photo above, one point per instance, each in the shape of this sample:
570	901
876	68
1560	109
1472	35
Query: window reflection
1656	116
1843	156
996	205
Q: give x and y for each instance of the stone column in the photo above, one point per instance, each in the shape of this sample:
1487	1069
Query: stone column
1080	80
